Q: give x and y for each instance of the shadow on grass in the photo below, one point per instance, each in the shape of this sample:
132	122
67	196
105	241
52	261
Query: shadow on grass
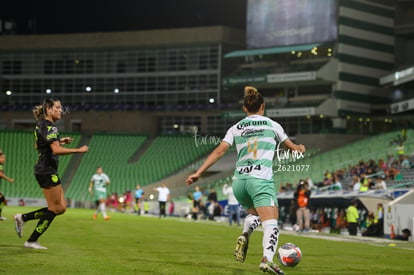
12	249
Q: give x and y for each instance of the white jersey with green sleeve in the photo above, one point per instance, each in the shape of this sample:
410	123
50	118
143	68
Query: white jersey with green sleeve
99	182
256	138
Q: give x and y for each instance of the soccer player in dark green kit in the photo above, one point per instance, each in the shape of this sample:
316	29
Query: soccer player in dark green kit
48	144
3	176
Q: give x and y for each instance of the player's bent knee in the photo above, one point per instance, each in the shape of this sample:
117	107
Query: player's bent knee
59	210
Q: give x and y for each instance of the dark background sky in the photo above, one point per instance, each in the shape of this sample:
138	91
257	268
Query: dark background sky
38	16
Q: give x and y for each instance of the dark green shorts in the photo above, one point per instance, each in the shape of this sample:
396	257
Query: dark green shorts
253	193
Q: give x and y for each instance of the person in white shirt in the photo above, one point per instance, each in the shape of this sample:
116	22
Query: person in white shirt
163	196
357	184
380	183
97	187
233	204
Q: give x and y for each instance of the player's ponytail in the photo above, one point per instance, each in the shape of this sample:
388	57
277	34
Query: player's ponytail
252	99
39	111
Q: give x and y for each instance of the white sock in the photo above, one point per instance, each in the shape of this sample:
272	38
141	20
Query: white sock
251	222
102	207
270	238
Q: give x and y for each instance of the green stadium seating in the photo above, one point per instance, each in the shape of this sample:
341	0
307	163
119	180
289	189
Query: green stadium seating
21	157
375	147
165	155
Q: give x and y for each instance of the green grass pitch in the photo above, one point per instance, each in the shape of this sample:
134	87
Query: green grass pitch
129	244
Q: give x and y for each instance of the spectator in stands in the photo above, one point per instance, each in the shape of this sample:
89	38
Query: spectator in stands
128	201
301	198
233	204
340	221
403	134
211	199
371	183
392	171
197	200
97	187
163	197
390	160
371	229
382	165
372	167
364	183
406	233
2	175
327	179
322	221
139	193
405	162
22	202
292	212
146	206
379	219
212	196
356	185
113	201
311	185
256	137
400	149
49	146
282	188
352	217
340	174
337	185
380	183
217	210
361	168
171	208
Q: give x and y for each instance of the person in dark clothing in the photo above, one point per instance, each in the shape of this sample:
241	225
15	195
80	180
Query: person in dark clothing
49	146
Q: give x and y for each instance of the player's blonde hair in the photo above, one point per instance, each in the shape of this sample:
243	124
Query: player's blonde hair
39	111
252	99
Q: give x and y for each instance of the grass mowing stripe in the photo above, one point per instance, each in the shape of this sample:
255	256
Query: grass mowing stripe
129	244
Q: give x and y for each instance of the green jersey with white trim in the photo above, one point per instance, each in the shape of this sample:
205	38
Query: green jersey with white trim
256	138
100	181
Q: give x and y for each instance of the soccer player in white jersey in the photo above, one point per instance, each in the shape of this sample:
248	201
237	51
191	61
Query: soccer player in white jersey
99	181
256	138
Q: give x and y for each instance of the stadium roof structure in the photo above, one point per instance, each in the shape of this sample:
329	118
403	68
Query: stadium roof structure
273	50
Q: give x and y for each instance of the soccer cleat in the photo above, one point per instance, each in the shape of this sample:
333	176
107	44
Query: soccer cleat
2	218
242	244
269	267
94	216
18	222
34	245
107	218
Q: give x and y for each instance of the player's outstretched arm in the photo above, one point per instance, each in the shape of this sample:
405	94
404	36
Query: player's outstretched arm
65	140
211	159
59	150
3	176
292	146
90	187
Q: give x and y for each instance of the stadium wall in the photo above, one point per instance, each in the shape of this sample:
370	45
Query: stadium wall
104	121
399	214
365	45
326	142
